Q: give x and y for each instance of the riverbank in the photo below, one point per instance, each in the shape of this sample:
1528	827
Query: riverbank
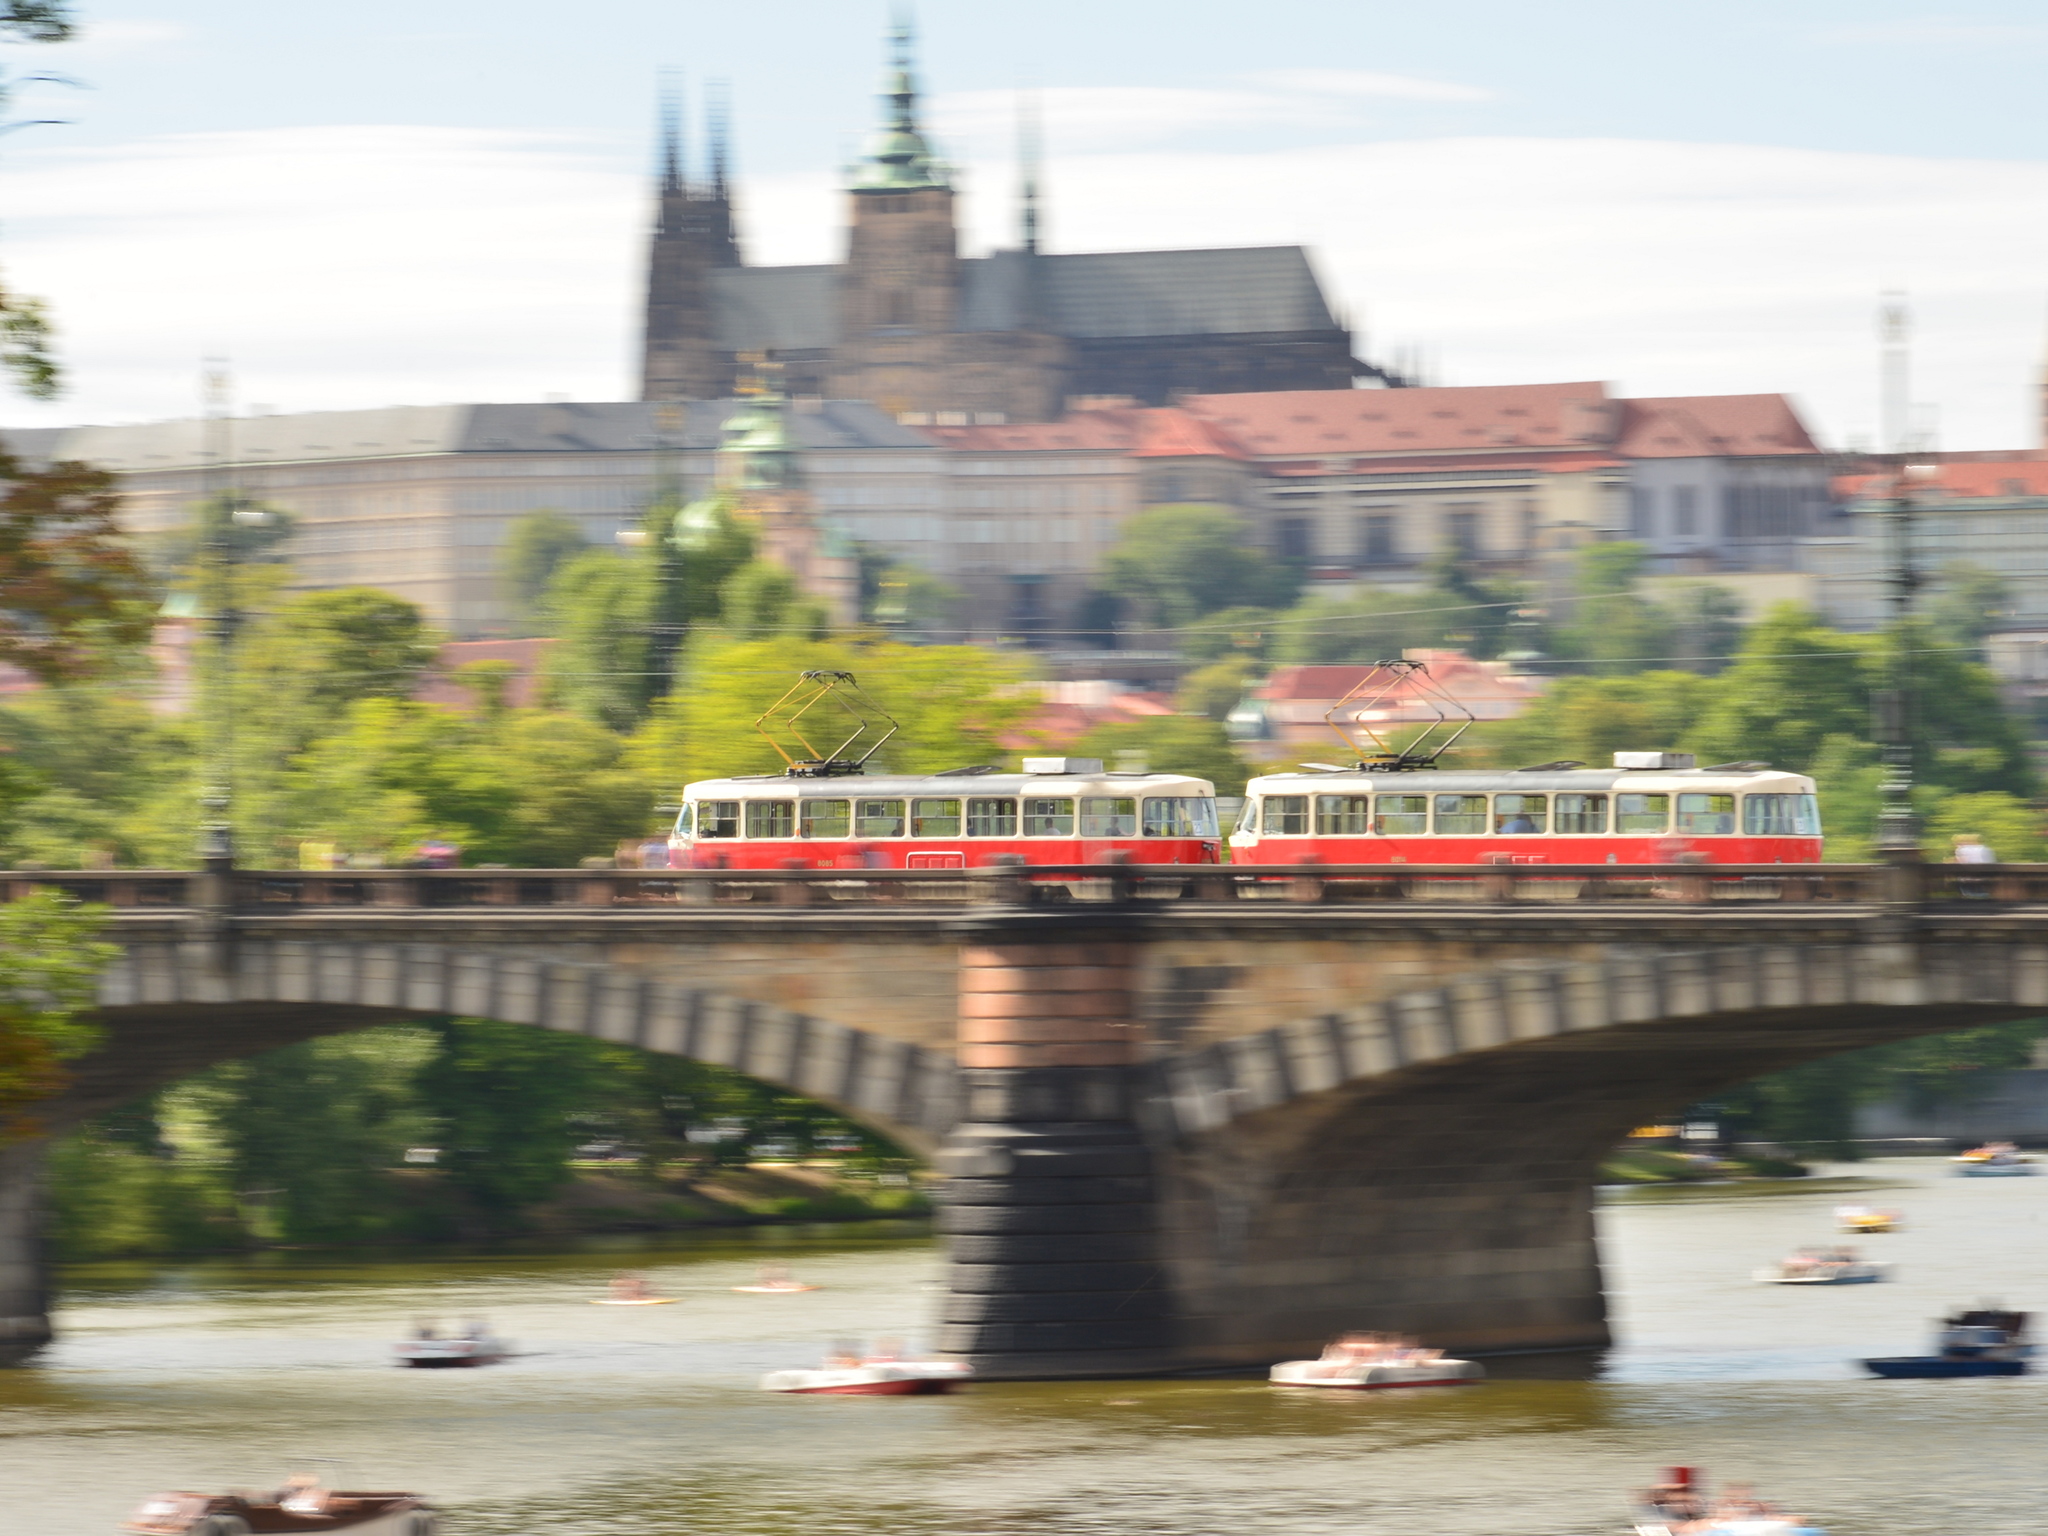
150	1211
1656	1165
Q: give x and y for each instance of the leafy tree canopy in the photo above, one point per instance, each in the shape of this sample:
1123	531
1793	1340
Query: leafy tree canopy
1178	563
70	585
50	961
536	546
1171	744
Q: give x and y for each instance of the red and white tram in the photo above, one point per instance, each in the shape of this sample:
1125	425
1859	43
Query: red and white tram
1650	808
1060	810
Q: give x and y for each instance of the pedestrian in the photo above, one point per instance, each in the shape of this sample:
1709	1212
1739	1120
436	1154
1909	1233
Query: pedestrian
1971	849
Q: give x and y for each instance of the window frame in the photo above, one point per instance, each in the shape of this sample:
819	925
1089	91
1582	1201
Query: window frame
807	815
714	814
1084	817
1596	805
919	816
902	816
970	815
1026	816
1663	829
1679	812
1332	823
1380	813
1272	807
1436	812
1541	816
767	812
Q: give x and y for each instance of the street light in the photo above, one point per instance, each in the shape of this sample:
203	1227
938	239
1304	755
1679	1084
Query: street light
1898	829
218	559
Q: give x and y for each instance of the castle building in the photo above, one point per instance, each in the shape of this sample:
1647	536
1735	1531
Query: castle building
932	337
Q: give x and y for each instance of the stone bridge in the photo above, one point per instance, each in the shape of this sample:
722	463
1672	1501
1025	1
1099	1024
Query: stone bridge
1200	1132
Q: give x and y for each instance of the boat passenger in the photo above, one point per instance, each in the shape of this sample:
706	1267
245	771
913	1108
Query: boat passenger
302	1495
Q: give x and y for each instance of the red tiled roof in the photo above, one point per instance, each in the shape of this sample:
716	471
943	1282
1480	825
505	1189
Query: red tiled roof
1551	463
1702	426
1155	432
1466	419
1995	479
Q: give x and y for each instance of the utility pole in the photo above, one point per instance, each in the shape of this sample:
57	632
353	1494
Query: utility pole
1898	829
221	514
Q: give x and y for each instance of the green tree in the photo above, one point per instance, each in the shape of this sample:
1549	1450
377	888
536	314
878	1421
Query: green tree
1480	618
396	772
1613	628
760	600
315	654
506	1099
1178	563
1967	603
1213	691
50	962
2009	825
600	607
1589	719
1172	744
953	704
312	1131
1356	631
1794	684
536	546
1241	633
574	795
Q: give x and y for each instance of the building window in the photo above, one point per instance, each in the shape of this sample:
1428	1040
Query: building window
1642	512
1295	538
1685	512
1531	520
1376	539
1461	532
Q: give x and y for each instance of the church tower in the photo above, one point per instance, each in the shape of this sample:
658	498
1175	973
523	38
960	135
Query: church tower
899	292
694	235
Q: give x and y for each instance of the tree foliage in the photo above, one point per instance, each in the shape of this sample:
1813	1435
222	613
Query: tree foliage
1177	563
1171	744
50	962
70	585
536	546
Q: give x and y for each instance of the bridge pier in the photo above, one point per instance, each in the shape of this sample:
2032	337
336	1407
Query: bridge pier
1050	1206
24	1286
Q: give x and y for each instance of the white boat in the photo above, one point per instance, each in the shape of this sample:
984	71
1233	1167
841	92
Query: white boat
1363	1361
1823	1266
1680	1504
848	1373
303	1504
1866	1218
1995	1160
429	1349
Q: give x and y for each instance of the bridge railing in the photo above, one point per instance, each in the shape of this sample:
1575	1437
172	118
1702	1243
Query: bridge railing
1965	886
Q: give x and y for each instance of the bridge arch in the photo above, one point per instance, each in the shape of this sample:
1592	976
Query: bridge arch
170	1010
1426	1161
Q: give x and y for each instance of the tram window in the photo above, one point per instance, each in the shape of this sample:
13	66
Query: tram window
935	818
1402	816
1781	815
878	818
1706	815
1287	816
1048	818
991	818
1642	813
827	818
1109	818
771	818
1343	815
685	816
1519	813
1180	816
1581	814
1460	815
718	818
1247	816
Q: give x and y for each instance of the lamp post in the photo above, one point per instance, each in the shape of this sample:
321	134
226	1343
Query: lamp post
1898	829
224	514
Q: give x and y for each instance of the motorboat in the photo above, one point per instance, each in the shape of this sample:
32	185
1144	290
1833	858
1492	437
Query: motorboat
1995	1160
1866	1218
1680	1504
1823	1266
884	1372
1362	1361
1984	1341
431	1349
630	1290
774	1280
302	1504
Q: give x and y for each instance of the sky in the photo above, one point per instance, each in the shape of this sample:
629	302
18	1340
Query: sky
448	200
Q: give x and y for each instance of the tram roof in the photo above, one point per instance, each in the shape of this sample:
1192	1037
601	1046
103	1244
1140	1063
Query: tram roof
959	784
1508	781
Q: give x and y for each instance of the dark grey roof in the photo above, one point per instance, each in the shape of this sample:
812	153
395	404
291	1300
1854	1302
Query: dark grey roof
788	309
1183	293
607	426
1098	294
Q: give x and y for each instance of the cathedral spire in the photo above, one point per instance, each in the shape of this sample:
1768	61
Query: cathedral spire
717	116
1029	154
671	132
898	159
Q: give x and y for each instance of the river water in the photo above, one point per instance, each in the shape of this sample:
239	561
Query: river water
645	1421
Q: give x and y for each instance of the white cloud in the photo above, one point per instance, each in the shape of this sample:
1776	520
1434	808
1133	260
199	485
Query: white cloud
1360	82
369	266
119	36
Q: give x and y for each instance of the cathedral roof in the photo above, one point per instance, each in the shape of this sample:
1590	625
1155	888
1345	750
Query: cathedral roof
1084	296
